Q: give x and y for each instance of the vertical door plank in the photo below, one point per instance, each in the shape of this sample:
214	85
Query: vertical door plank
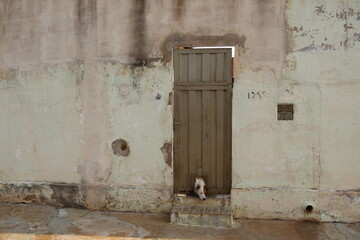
178	71
228	66
220	67
198	130
192	135
205	67
185	68
228	114
177	139
198	67
192	67
184	166
220	138
177	117
212	136
224	176
177	66
229	139
206	134
212	67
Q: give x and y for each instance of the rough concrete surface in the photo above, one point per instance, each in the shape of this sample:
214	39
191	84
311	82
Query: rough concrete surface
24	222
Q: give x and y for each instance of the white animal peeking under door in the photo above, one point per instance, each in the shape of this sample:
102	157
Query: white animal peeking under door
200	188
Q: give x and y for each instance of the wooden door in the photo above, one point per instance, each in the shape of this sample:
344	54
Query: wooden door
202	119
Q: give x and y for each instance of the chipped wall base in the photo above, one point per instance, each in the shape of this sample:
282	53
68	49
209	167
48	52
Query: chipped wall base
252	203
117	198
57	194
287	204
140	199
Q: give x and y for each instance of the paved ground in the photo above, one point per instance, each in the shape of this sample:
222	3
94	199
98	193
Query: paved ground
45	222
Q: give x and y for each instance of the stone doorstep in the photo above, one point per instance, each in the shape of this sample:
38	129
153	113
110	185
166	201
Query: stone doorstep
215	211
208	210
203	216
193	200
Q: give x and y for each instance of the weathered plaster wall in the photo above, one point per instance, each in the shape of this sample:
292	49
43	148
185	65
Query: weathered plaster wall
77	75
313	158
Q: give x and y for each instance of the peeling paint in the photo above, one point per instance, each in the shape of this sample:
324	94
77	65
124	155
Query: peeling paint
166	149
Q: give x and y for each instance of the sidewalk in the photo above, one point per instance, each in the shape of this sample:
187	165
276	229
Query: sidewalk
46	222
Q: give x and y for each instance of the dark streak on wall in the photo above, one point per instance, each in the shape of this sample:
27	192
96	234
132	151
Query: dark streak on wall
179	9
190	40
85	25
138	33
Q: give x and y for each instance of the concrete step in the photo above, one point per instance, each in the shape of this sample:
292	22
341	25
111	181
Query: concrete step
213	212
193	200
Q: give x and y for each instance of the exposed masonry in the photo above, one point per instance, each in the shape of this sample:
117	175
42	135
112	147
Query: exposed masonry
166	149
118	197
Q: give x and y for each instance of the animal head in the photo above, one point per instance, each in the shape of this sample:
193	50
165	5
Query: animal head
200	188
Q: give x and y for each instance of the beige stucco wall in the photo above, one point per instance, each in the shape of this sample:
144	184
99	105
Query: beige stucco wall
76	75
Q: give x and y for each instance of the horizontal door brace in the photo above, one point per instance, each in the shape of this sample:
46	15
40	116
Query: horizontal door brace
202	83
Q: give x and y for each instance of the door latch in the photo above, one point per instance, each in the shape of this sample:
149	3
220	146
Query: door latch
174	125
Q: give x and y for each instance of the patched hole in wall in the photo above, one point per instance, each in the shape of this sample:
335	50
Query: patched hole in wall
120	147
285	112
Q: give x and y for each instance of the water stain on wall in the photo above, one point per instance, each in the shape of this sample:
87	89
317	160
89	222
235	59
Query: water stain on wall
64	194
179	9
190	40
85	25
138	32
